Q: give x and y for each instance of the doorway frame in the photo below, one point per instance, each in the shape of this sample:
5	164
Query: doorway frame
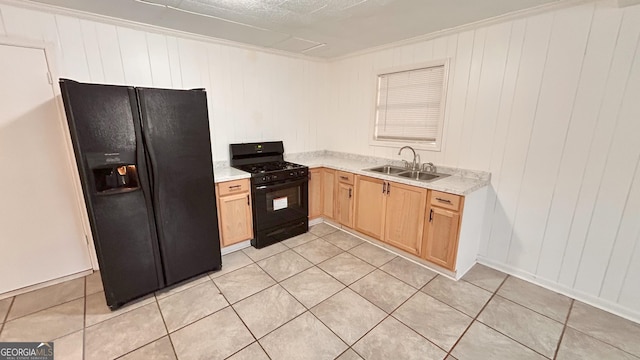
49	50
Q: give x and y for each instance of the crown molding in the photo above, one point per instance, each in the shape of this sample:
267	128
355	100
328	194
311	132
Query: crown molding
560	4
57	10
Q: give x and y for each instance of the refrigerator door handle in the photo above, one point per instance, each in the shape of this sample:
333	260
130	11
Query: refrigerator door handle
151	165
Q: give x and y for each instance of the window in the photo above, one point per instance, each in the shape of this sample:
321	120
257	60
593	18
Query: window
410	107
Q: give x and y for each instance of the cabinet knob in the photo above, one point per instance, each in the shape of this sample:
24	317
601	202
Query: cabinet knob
431	215
384	187
349	193
388	188
248	200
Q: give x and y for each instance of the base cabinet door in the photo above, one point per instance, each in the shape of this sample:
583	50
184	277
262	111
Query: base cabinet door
328	193
344	204
441	237
405	216
315	193
370	206
236	222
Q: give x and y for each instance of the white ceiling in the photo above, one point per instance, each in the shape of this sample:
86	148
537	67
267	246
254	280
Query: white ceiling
321	28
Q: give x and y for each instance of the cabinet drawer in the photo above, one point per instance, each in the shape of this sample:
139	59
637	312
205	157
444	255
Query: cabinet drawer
345	177
445	200
233	187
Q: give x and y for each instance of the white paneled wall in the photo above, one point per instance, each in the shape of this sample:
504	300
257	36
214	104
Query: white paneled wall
253	95
549	104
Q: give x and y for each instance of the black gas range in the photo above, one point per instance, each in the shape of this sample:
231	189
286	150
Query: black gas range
279	191
274	171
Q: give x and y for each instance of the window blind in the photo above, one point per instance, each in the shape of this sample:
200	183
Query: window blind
409	105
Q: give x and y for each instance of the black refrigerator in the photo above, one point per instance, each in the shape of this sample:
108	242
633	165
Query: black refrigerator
144	158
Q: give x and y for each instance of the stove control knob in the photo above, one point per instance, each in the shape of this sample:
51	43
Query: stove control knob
264	178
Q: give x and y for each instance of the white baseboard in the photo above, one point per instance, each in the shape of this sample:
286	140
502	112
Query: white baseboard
235	247
564	290
45	284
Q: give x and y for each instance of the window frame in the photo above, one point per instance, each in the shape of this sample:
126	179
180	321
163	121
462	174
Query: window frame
429	146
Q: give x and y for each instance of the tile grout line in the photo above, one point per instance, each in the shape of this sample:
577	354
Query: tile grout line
438	300
150	342
476	317
233	309
348	286
535	311
602	341
241	320
309	309
165	324
43	309
238	315
389	315
4	320
538	313
564	328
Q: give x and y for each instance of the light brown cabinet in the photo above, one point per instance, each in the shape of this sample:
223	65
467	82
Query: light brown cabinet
315	193
322	192
404	220
391	212
425	223
370	206
442	229
345	200
328	193
234	211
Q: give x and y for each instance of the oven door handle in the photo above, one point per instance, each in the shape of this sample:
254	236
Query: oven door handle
281	185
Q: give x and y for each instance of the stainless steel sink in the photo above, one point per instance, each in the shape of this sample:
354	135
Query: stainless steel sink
424	176
388	169
406	173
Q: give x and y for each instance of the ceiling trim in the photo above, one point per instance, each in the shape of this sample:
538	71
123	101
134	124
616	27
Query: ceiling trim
152	28
471	26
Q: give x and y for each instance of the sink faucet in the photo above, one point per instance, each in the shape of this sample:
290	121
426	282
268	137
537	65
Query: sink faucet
416	158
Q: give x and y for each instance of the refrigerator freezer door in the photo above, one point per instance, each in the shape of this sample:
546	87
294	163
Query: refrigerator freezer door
102	126
175	127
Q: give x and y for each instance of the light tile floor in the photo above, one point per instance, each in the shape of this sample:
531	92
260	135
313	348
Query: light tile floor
321	295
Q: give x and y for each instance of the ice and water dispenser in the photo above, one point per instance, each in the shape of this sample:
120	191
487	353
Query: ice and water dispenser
113	173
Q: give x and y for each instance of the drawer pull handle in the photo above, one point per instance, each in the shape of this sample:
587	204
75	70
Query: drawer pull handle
431	215
388	188
444	200
349	193
248	200
235	187
344	177
384	187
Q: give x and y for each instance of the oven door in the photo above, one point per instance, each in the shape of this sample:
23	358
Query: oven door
280	203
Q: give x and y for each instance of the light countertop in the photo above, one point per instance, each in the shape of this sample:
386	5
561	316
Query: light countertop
223	172
461	181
